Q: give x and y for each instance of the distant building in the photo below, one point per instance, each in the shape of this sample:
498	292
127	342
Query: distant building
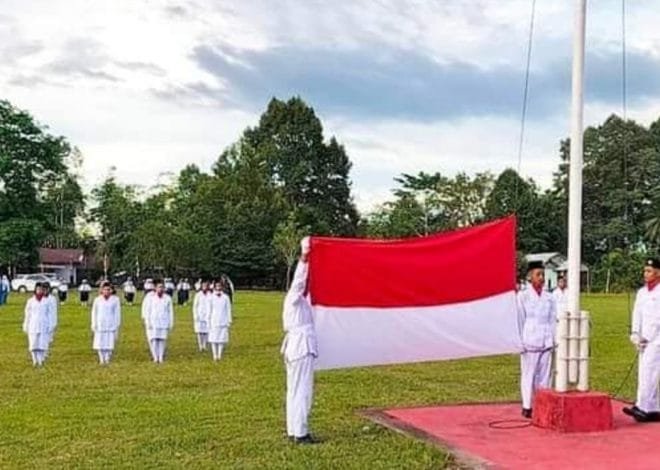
556	263
63	262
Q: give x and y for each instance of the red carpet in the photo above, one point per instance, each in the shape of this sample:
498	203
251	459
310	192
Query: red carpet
465	431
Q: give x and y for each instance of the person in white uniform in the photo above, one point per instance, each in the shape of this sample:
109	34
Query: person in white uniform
53	315
299	350
537	318
645	336
36	325
84	289
129	291
63	291
148	286
560	294
219	320
201	310
158	314
106	319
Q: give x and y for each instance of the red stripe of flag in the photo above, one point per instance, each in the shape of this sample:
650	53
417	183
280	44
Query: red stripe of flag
458	266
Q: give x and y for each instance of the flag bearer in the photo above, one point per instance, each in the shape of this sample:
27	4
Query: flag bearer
37	325
537	317
201	312
299	349
106	318
219	321
158	315
646	338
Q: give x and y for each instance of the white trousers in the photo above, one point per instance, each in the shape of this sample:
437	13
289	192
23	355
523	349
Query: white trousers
299	395
216	350
535	373
648	375
157	349
202	339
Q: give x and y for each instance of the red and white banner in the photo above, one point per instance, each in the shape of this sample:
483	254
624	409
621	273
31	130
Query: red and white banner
445	296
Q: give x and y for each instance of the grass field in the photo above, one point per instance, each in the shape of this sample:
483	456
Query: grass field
191	412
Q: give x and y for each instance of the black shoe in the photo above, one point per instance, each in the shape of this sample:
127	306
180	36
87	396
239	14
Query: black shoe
653	416
527	413
308	439
638	415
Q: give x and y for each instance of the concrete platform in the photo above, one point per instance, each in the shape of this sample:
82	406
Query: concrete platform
573	411
491	436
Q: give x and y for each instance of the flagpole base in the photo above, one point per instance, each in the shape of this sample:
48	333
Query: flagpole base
572	411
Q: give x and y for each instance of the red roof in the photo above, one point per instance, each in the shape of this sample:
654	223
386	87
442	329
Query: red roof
60	256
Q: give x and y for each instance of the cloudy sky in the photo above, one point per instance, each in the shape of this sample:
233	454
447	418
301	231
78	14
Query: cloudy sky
149	86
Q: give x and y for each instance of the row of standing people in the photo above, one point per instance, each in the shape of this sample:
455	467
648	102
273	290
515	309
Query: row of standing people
182	289
212	319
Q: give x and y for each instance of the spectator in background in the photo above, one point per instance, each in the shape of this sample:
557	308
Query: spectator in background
180	295
129	291
63	291
169	287
84	289
5	288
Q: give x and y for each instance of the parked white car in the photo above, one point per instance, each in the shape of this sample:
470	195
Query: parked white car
26	282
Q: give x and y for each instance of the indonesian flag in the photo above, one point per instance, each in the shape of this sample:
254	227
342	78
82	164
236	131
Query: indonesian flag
445	296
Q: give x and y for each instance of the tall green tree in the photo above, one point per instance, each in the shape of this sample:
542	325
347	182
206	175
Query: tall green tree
620	179
245	208
32	162
313	175
118	214
512	194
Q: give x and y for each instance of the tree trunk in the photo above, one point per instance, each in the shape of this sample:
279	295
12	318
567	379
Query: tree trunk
288	276
607	282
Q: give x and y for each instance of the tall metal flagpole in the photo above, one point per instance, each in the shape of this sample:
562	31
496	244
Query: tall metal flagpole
575	197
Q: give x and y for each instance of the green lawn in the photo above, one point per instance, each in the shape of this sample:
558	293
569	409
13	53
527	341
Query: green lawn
191	412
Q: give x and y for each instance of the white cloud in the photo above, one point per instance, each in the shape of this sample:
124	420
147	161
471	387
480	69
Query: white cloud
105	74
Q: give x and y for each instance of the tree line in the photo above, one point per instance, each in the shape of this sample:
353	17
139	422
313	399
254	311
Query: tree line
283	178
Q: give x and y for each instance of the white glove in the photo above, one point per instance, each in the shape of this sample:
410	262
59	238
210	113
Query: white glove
635	339
305	246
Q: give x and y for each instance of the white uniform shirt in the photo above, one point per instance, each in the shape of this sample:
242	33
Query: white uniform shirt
561	300
158	312
537	317
646	314
220	315
297	318
129	288
63	287
53	313
84	287
106	314
37	316
202	306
